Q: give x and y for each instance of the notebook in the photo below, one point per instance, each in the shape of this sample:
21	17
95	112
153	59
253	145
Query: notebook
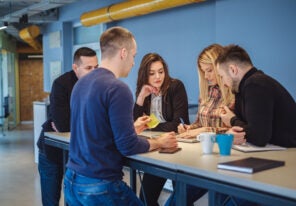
248	147
250	165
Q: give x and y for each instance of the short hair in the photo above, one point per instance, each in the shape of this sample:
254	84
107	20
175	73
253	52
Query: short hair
83	51
144	71
235	54
113	39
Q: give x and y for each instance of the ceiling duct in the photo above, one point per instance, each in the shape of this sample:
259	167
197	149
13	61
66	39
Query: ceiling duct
20	14
129	9
29	35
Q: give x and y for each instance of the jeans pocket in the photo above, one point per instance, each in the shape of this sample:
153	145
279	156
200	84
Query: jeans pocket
93	193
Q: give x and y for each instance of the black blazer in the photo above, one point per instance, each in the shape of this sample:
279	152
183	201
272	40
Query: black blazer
59	112
174	107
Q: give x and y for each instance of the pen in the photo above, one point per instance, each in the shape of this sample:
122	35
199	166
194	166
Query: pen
182	121
183	124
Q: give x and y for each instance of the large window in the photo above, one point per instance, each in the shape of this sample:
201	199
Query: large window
7	85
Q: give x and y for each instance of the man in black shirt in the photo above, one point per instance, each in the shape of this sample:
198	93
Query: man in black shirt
263	107
50	163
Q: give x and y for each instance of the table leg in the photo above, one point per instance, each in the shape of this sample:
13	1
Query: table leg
180	193
133	180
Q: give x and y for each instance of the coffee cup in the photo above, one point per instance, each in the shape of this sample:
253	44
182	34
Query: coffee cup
207	140
225	143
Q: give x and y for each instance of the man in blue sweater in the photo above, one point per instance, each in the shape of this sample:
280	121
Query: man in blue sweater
102	128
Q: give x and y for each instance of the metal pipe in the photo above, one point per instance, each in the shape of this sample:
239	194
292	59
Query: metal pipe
129	9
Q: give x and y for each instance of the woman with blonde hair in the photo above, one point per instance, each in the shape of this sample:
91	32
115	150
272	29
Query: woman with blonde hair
213	95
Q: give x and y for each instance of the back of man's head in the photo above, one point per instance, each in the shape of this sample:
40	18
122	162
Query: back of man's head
234	54
113	39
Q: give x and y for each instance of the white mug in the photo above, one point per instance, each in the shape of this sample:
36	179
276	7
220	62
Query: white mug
207	140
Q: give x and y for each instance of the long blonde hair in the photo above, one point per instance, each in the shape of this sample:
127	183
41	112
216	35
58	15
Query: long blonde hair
209	56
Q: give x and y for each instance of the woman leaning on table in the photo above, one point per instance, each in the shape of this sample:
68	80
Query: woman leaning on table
166	98
213	95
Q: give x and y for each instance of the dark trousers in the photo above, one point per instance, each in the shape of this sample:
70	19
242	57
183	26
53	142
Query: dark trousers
152	187
51	177
193	194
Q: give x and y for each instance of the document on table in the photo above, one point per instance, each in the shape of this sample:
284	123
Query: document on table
180	137
186	138
248	147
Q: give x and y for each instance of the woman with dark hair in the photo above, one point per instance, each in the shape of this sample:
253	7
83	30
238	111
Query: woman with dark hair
166	98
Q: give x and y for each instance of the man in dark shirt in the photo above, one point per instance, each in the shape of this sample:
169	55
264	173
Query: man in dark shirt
50	158
263	107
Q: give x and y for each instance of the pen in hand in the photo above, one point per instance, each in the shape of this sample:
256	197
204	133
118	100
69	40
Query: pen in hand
183	124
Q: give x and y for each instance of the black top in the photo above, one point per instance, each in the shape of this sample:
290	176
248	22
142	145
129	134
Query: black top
59	112
266	110
174	107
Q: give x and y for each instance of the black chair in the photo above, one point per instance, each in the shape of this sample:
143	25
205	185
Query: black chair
5	113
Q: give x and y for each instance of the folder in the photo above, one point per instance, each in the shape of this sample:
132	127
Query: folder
250	165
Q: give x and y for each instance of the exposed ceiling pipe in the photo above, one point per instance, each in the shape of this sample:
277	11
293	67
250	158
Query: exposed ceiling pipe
29	35
129	9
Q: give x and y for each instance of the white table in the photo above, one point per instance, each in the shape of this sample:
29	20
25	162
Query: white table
189	166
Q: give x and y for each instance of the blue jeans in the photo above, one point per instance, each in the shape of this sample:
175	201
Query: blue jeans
81	190
51	177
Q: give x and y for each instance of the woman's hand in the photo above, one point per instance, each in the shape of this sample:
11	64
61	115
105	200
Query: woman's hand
183	128
145	91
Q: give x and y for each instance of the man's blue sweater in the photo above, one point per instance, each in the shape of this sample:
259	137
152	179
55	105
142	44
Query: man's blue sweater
102	127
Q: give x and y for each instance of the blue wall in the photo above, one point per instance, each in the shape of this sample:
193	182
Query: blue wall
265	28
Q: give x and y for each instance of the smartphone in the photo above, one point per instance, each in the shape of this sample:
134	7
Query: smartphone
169	150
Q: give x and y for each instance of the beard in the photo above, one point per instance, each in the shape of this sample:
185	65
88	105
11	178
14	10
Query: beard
235	86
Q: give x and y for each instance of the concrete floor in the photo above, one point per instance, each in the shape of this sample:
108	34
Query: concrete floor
19	178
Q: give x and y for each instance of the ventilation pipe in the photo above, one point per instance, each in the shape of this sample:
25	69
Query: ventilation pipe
129	9
29	34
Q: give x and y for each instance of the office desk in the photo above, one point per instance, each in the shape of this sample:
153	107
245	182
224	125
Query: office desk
271	187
